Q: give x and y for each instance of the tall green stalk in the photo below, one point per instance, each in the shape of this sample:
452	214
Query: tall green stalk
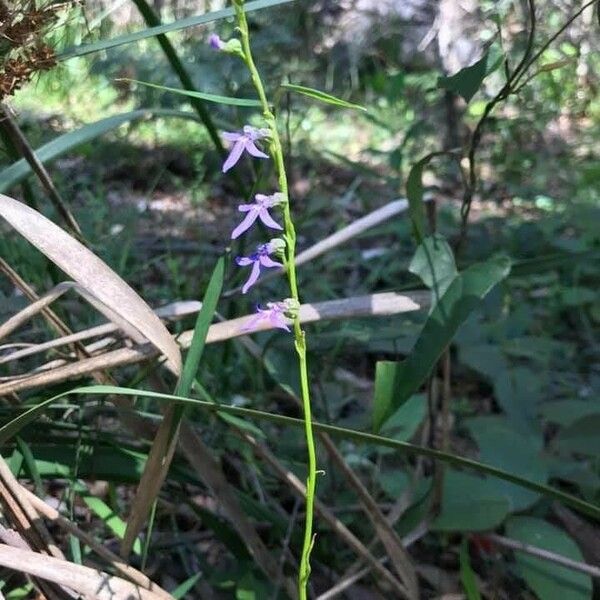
276	151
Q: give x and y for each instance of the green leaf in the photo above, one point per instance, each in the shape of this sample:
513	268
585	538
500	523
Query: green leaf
468	80
110	519
12	427
582	437
322	96
175	26
469	503
566	412
467	575
203	321
182	589
434	264
504	447
19	170
201	95
398	381
548	580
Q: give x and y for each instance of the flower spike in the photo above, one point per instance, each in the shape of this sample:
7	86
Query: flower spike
244	140
258	210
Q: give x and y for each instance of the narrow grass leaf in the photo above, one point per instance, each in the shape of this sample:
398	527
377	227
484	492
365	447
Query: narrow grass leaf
175	26
321	96
165	441
397	381
12	427
91	273
59	146
201	95
467	575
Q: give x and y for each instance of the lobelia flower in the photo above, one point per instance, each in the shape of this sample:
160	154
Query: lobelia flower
244	140
258	210
260	258
274	314
215	42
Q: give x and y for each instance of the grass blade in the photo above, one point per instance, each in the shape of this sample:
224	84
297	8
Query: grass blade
19	170
165	442
162	29
321	96
10	429
200	95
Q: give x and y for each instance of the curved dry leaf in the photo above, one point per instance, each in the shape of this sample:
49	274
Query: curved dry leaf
93	275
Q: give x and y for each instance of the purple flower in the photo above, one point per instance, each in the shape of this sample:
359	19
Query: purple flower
259	259
258	210
215	42
244	140
274	314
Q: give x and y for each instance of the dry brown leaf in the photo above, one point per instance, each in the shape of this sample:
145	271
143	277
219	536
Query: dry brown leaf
91	273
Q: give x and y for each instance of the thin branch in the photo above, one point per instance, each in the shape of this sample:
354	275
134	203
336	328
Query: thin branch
20	141
558	559
384	304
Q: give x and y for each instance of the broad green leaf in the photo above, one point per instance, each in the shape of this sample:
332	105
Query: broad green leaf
548	580
201	95
518	392
322	96
467	81
467	575
434	264
504	447
68	141
175	26
404	423
401	380
12	427
582	437
469	503
566	412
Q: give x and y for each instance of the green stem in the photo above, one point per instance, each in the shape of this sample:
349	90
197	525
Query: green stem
276	150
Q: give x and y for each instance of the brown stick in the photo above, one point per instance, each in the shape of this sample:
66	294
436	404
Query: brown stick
20	141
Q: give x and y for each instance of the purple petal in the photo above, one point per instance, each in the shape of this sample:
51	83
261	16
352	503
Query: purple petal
244	225
254	322
234	155
267	219
253	277
216	42
246	207
231	136
243	261
252	149
267	261
278	320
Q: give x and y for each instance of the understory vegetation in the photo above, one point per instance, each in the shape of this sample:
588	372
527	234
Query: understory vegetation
266	259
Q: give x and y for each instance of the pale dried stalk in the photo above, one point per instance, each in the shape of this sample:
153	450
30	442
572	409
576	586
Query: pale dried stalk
124	569
384	304
544	554
175	310
90	583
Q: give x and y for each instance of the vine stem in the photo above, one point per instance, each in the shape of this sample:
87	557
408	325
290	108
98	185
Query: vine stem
276	151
